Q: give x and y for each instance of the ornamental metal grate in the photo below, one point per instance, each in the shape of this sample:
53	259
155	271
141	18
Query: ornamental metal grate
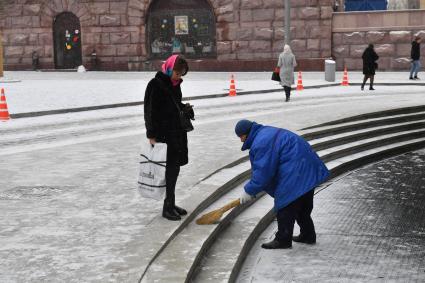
181	29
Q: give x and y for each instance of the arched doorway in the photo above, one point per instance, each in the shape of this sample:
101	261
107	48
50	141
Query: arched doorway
181	27
67	41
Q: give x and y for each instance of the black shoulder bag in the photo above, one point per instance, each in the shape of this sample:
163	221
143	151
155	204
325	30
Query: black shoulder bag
185	122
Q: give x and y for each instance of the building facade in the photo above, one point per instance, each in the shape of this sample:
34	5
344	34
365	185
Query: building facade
137	34
215	35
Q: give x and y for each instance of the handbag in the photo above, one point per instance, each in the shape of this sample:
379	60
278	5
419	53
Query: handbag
185	121
276	75
152	182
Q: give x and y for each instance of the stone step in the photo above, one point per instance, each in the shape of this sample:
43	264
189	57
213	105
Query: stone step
373	115
352	127
379	121
217	265
181	256
222	265
341	139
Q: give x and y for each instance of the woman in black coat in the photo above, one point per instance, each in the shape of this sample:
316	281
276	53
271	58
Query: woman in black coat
162	123
369	65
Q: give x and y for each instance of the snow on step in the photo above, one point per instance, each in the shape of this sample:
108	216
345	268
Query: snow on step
329	127
364	141
220	259
176	260
350	133
335	163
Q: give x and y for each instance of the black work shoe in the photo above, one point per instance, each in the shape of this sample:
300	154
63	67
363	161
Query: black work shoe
169	212
171	215
275	244
300	239
179	210
416	78
287	99
410	78
362	87
371	88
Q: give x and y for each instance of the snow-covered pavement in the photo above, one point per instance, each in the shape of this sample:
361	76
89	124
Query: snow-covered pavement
68	202
41	91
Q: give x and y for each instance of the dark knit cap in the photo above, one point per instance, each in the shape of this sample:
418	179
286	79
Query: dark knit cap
243	127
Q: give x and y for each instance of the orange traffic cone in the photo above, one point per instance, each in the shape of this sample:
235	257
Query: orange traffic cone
232	90
300	82
345	78
4	113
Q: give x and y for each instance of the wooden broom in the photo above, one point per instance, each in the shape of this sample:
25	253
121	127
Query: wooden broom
215	215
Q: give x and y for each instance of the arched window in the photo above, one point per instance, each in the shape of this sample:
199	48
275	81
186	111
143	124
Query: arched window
181	27
67	41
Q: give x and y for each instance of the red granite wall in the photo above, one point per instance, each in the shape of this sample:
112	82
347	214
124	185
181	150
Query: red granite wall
249	34
391	32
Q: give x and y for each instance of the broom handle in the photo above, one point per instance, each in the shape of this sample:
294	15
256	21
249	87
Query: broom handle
230	205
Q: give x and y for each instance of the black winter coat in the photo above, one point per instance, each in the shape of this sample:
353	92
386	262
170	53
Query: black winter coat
162	118
416	51
369	61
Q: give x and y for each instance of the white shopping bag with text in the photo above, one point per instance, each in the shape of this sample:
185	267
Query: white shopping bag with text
151	182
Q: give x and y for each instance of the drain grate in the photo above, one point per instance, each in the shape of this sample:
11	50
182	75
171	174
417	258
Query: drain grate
31	192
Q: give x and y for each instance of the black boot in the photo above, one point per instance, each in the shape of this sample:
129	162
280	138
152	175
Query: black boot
304	240
275	244
362	87
179	210
371	88
169	212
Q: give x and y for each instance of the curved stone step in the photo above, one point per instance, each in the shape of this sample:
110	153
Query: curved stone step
324	143
373	115
216	272
363	125
209	238
362	145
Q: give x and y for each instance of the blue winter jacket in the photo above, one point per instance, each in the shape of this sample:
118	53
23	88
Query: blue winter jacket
283	165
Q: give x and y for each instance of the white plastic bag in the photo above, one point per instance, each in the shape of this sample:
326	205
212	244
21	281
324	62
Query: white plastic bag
151	182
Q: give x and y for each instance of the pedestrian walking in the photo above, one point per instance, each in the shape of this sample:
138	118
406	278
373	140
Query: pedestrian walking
162	107
285	166
415	54
369	66
287	63
35	61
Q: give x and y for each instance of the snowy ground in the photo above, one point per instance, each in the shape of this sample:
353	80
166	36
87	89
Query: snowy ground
68	204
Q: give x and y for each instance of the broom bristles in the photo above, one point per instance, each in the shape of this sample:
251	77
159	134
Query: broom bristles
215	215
210	217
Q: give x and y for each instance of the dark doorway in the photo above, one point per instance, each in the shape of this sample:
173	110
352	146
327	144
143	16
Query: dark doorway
67	41
181	27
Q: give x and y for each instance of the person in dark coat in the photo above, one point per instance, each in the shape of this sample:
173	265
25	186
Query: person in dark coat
284	166
369	65
415	54
162	123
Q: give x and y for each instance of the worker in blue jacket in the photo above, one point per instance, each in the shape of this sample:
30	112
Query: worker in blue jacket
285	166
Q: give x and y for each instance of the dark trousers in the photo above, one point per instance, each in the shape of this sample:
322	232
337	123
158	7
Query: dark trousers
171	174
287	91
372	77
300	211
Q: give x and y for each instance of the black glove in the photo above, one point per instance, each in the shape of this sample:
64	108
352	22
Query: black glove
188	111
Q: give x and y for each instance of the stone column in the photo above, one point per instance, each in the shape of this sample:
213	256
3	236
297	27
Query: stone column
1	56
287	22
